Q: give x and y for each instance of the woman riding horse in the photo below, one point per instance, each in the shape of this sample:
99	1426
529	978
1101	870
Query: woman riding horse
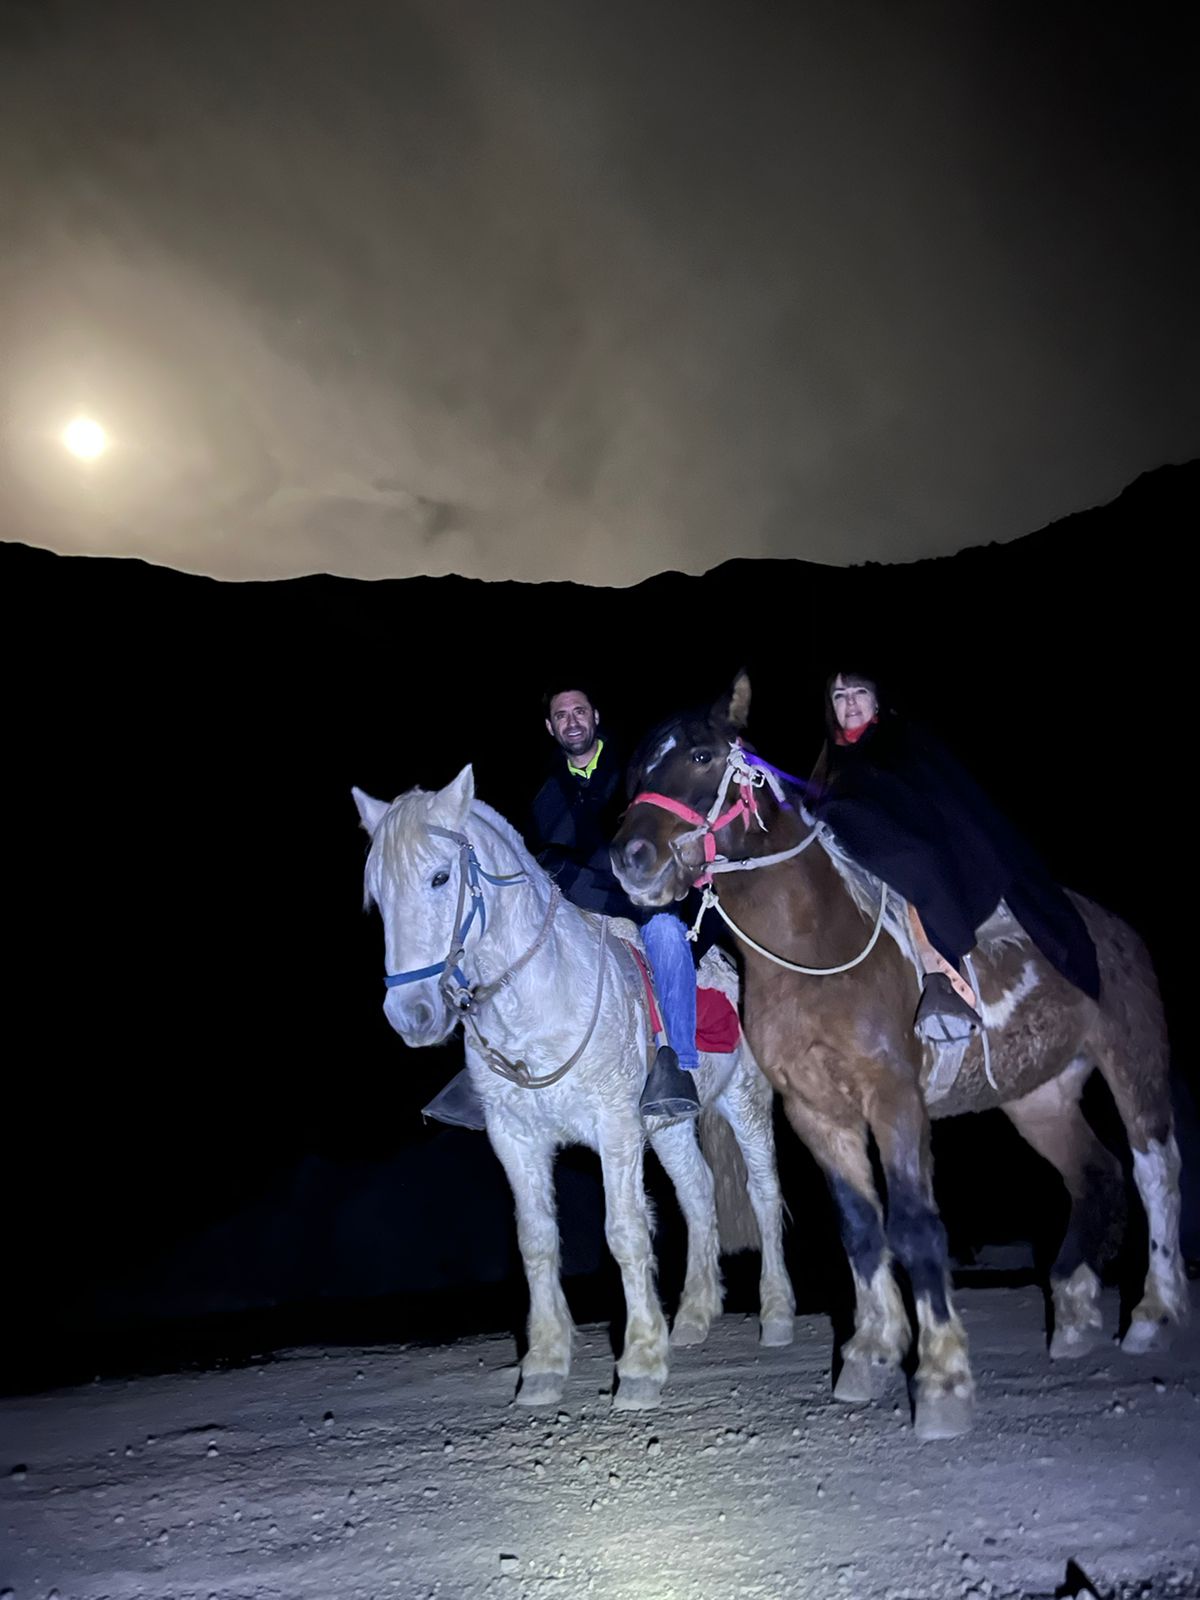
828	983
907	812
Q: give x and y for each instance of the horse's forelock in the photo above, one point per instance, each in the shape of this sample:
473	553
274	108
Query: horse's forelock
404	827
400	825
685	729
635	771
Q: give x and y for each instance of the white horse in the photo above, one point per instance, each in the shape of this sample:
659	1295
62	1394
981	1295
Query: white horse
556	1035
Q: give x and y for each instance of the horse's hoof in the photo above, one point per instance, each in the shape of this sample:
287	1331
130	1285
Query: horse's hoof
637	1394
862	1380
1146	1336
777	1332
541	1389
1068	1344
945	1415
684	1333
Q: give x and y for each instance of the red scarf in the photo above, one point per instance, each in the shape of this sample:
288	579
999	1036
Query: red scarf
853	735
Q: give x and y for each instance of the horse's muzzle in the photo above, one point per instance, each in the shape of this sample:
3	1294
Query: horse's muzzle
639	872
419	1015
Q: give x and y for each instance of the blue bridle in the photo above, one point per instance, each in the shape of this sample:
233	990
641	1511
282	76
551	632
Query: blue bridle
469	874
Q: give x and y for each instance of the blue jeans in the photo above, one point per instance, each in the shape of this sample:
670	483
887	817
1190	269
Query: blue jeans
670	955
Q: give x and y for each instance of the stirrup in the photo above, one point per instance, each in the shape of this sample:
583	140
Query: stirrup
458	1103
669	1091
943	1016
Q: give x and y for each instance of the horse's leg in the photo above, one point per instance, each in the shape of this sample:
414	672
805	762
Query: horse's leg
944	1387
1131	1051
642	1368
871	1357
675	1146
1164	1303
747	1105
1052	1121
1144	1103
529	1165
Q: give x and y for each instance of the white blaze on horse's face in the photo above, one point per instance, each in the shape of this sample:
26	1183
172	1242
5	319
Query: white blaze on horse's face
412	876
659	755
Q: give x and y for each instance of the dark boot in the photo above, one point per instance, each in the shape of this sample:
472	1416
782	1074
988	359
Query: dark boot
943	1016
458	1103
669	1090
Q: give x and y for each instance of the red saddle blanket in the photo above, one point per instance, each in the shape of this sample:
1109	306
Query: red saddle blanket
717	1025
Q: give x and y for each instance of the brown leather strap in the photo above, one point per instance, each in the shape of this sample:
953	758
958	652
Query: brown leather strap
934	961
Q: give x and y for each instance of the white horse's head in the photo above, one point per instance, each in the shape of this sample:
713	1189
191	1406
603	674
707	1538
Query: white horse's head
413	875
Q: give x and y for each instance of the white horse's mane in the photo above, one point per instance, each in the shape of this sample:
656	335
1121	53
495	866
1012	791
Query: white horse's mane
480	808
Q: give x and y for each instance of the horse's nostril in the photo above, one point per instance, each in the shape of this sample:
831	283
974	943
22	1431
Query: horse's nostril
638	855
422	1015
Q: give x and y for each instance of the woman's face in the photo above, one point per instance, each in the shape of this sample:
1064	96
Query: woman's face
854	705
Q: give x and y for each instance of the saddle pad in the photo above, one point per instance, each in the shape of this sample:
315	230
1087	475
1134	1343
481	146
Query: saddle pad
717	1025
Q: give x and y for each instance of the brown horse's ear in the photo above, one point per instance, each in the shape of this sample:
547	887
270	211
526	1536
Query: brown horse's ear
739	700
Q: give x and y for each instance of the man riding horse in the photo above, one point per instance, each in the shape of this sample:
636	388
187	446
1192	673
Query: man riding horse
572	819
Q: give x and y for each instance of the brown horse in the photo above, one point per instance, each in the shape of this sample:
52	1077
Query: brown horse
839	1048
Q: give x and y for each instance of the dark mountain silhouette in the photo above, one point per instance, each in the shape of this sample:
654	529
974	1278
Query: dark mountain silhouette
192	990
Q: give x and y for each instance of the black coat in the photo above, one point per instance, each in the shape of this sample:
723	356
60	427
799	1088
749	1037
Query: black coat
572	823
905	809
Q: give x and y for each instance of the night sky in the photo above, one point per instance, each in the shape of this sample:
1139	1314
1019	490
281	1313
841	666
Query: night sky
558	290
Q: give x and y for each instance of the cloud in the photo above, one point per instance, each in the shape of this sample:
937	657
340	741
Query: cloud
559	291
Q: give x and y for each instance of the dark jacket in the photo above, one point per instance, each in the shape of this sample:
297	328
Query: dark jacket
904	808
572	823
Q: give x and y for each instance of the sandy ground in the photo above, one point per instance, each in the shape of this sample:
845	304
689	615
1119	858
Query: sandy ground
408	1471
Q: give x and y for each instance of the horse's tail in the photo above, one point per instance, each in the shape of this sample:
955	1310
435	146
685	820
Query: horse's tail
736	1222
737	1225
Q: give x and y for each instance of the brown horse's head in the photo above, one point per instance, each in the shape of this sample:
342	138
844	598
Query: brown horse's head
658	854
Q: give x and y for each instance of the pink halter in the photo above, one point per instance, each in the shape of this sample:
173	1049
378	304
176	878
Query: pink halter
745	806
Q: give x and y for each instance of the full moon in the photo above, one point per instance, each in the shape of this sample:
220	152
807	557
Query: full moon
85	438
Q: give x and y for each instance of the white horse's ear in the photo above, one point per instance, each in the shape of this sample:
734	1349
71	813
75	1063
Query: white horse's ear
454	801
737	707
370	811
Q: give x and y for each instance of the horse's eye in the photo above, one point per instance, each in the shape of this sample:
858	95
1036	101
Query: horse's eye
440	879
701	757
